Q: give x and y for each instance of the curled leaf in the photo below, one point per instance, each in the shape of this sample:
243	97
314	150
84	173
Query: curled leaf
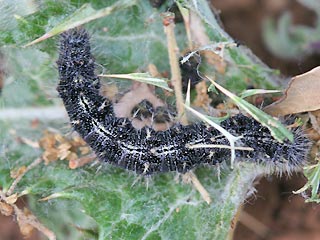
301	95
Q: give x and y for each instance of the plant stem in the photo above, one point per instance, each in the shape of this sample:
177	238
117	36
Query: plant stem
168	21
17	180
79	162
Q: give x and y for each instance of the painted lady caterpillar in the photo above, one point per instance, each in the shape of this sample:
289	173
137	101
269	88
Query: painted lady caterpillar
146	151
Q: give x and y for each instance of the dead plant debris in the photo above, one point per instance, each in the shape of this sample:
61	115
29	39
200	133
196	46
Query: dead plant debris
301	95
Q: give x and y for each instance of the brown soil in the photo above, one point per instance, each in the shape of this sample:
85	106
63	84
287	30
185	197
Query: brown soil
243	19
275	213
9	229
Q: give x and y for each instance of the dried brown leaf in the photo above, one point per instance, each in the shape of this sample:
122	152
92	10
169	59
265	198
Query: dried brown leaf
64	146
79	162
25	228
109	91
152	69
57	147
84	150
17	172
63	154
301	95
6	209
77	141
47	141
26	220
315	120
200	38
12	199
50	155
72	156
202	100
138	92
59	138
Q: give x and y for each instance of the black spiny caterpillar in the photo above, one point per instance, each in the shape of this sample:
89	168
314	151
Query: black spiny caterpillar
145	151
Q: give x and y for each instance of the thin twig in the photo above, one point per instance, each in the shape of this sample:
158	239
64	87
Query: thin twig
197	184
24	219
186	18
79	162
168	22
17	180
30	219
169	25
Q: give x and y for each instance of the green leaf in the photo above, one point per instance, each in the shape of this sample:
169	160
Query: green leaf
123	208
312	173
212	88
278	130
288	40
142	77
162	209
83	15
251	92
26	20
218	120
28	83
